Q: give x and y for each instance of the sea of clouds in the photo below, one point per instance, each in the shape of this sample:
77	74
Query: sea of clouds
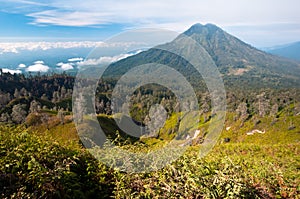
71	63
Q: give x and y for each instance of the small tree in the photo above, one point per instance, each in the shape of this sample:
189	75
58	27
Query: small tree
5	117
34	106
242	111
61	116
16	93
19	113
274	110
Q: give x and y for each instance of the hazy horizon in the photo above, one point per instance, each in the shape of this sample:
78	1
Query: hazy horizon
261	24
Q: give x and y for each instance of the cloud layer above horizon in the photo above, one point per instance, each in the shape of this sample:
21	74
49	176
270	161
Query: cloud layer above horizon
16	47
255	21
157	13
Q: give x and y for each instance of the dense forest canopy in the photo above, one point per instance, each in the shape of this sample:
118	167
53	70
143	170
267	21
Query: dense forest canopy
21	95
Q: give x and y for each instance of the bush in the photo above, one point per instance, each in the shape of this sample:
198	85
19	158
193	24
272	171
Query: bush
33	119
35	167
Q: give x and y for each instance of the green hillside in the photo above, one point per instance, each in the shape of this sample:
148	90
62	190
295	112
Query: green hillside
51	163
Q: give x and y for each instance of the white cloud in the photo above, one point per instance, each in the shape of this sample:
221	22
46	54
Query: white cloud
38	67
39	62
16	47
6	70
70	18
106	59
22	66
75	59
173	15
169	14
136	12
65	66
28	2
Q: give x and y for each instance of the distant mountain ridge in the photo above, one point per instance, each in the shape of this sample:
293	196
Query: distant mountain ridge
291	51
237	61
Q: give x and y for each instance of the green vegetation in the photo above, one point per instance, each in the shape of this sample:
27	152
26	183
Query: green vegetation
38	166
51	163
44	158
256	156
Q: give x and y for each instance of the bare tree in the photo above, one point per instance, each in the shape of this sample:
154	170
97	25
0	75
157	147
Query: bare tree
16	93
263	104
19	113
274	110
5	117
34	106
242	111
61	116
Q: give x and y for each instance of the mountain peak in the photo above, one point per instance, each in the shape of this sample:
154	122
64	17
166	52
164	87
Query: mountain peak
233	57
198	28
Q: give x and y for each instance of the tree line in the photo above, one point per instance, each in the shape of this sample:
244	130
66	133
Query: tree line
22	95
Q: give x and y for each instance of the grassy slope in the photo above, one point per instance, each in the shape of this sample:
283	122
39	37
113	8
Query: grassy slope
257	166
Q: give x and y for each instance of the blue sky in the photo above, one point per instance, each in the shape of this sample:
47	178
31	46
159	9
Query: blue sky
17	26
261	23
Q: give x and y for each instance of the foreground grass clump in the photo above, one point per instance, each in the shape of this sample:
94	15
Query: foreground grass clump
43	165
34	166
229	171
